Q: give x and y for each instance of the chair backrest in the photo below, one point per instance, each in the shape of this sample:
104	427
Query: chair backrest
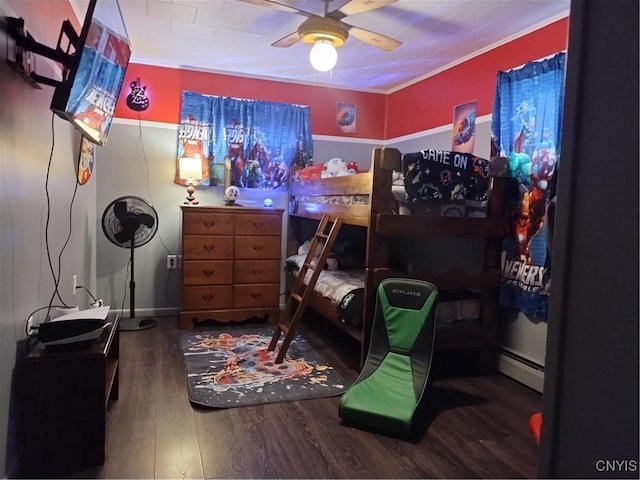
403	323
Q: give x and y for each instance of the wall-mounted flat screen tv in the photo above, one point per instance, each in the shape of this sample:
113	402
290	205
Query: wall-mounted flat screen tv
92	82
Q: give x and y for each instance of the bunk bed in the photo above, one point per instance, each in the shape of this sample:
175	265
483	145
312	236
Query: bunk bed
373	209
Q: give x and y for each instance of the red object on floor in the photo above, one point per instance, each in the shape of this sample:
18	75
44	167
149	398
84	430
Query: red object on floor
535	425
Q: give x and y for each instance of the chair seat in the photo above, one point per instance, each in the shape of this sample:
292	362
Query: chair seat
386	400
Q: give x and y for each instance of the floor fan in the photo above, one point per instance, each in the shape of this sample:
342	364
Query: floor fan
131	222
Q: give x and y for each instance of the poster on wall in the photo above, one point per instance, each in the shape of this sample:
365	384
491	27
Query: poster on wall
346	117
464	127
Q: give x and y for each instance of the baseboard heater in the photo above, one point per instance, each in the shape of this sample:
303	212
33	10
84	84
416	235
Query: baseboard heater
521	369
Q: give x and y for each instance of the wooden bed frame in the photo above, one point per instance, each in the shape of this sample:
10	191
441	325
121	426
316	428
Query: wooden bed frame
382	225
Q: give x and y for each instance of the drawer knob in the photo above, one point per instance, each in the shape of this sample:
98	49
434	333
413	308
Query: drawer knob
258	225
258	248
209	247
207	297
208	273
208	223
256	295
257	271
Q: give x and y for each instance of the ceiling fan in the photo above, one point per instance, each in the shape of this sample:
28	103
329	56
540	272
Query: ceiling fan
329	30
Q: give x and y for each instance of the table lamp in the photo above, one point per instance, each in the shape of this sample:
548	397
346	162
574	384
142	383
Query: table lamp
190	170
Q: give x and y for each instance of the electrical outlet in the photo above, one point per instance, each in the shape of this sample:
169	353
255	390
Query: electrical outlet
172	262
75	283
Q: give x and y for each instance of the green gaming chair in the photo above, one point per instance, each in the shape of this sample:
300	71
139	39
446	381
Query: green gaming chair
387	394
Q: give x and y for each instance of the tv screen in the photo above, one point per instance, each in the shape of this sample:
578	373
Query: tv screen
91	85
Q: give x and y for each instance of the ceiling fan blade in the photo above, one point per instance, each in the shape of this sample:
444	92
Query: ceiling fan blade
358	6
379	40
146	219
277	6
287	41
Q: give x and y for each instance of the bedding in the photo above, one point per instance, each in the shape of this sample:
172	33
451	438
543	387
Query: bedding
458	182
358	199
332	284
345	288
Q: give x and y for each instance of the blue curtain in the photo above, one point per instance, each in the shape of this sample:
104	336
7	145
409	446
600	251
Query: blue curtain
526	126
260	139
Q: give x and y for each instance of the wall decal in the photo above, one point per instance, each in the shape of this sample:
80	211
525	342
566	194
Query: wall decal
137	99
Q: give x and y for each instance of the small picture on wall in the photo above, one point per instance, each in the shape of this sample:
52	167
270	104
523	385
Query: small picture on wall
86	159
346	117
464	127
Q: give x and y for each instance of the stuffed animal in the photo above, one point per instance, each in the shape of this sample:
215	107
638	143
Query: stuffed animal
335	167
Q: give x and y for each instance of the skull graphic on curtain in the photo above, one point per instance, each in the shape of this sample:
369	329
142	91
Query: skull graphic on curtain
258	139
526	126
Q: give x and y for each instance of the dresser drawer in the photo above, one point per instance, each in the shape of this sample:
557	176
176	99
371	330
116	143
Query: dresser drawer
205	247
258	225
256	271
257	247
207	272
206	297
258	295
199	223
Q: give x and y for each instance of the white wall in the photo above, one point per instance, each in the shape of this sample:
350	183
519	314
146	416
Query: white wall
25	280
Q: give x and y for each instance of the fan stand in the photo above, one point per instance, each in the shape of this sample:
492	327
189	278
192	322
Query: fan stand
132	323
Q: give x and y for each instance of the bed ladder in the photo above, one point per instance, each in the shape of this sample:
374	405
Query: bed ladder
300	294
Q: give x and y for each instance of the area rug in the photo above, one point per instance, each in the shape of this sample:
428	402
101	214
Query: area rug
231	367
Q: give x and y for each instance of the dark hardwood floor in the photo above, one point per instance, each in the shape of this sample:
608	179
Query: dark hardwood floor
476	424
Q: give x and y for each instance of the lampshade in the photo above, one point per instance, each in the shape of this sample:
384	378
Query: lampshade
190	168
323	55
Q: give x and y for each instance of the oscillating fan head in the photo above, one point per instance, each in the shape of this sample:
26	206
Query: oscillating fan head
129	221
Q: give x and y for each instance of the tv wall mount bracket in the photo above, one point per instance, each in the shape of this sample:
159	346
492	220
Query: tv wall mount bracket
21	60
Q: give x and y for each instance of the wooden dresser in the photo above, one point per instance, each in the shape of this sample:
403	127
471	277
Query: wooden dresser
231	264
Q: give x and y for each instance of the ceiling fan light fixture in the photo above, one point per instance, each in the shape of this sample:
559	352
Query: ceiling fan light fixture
323	55
325	28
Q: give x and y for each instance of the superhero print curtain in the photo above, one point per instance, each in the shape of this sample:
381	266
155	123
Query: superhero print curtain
258	139
526	126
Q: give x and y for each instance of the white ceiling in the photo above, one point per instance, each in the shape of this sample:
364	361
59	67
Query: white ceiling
231	36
